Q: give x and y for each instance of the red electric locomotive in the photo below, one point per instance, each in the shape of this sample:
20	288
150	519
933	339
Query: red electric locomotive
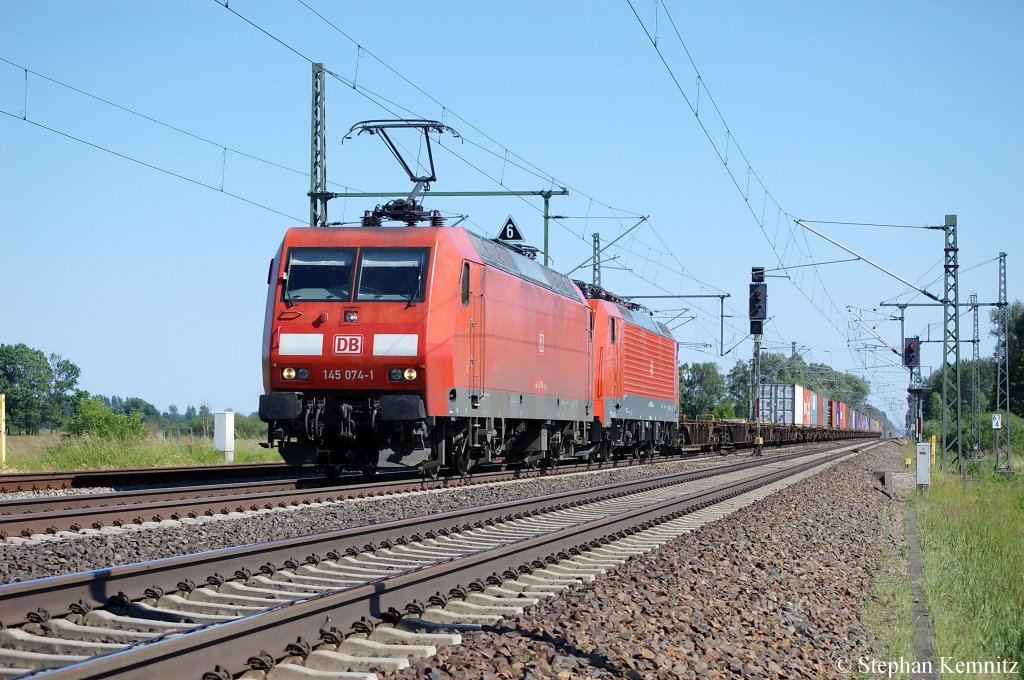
635	376
422	344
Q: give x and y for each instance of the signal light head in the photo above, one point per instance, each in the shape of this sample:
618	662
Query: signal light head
911	358
758	301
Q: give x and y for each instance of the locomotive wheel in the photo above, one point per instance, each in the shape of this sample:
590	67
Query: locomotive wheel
332	465
431	467
461	462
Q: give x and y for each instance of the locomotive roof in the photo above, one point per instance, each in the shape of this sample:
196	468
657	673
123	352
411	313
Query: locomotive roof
504	257
644	320
630	311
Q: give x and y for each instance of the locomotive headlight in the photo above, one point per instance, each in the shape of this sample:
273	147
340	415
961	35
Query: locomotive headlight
351	316
402	375
288	374
303	374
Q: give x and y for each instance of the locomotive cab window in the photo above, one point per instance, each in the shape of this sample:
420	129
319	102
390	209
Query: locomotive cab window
392	274
465	284
611	329
319	274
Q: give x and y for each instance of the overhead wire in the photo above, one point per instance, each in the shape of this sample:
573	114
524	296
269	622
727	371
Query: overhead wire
723	157
532	169
804	254
165	124
539	173
150	165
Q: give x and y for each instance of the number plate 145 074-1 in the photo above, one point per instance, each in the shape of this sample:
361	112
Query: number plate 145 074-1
348	374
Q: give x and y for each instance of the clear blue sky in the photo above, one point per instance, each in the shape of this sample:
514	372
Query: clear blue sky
869	112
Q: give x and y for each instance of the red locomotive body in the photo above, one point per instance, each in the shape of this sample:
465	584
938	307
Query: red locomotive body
635	373
421	344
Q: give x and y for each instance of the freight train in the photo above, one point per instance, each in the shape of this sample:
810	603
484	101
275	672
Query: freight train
439	347
798	405
432	346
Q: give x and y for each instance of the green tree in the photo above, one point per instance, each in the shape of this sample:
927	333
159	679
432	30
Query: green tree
724	409
701	387
25	377
63	382
738	387
136	404
91	416
114	403
250	426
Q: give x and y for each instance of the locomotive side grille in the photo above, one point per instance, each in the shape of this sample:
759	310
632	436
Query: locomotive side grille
649	353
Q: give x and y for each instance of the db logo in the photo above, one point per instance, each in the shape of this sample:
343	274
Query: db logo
348	344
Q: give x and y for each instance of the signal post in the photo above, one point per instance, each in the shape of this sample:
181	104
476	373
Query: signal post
758	315
912	360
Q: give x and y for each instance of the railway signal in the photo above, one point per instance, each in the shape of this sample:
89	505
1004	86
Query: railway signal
911	352
758	294
758	307
757	314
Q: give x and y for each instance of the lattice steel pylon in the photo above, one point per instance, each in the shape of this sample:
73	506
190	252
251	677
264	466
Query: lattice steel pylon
952	444
318	152
972	469
596	274
1002	439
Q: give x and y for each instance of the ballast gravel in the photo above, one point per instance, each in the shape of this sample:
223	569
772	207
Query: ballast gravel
39	559
772	590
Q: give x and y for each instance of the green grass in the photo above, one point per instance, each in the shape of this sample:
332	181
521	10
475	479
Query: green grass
51	452
972	543
887	612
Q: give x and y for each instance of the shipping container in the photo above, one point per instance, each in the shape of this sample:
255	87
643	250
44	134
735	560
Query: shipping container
776	403
808	402
823	402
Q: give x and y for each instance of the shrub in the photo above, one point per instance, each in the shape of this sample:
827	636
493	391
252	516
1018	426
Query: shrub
91	417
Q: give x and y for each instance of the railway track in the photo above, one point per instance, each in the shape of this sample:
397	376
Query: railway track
467	566
129	477
51	515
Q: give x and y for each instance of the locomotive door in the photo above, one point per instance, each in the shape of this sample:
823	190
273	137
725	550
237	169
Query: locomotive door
472	295
617	331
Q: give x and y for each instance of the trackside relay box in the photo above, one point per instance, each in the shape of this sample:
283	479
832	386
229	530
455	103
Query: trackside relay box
924	460
224	434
